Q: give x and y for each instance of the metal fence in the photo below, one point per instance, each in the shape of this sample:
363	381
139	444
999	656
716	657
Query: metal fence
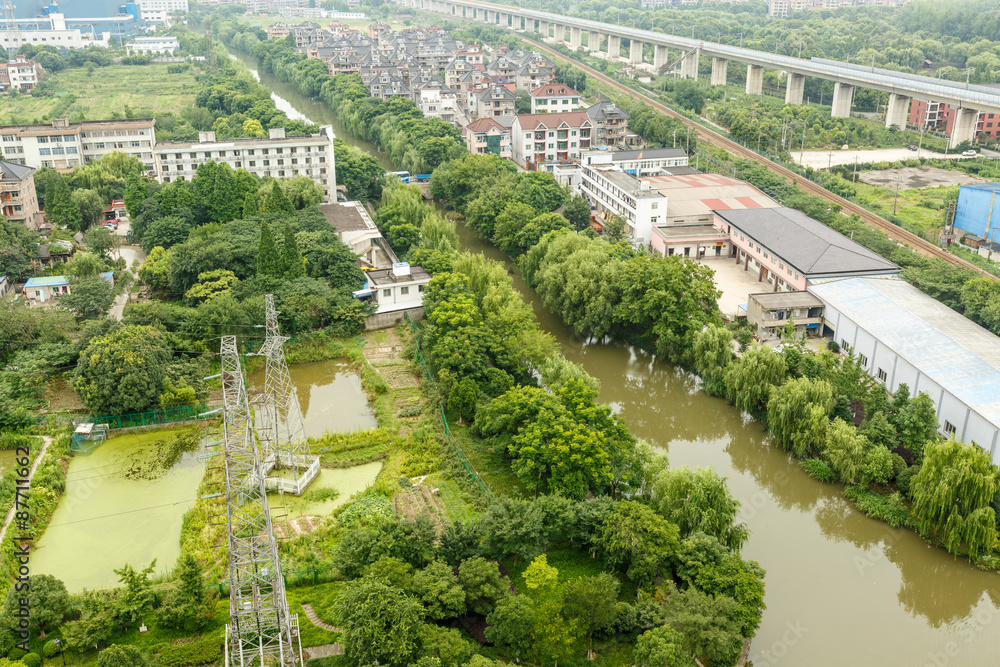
153	417
473	475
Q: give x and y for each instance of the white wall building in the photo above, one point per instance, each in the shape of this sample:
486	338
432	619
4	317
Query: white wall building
19	73
902	336
169	6
63	145
541	140
51	31
555	97
148	46
436	100
276	155
399	288
613	191
648	161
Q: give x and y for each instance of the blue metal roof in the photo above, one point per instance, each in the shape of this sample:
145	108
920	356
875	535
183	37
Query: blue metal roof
989	187
58	281
953	351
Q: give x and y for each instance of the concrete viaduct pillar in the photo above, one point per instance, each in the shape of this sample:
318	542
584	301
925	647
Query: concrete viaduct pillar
795	88
843	96
720	71
689	64
661	57
755	79
897	111
543	29
594	41
614	46
964	128
575	36
635	52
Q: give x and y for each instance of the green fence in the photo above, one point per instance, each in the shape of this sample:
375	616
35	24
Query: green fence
307	577
473	475
153	417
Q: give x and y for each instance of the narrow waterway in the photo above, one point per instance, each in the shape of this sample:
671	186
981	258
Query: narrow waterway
842	589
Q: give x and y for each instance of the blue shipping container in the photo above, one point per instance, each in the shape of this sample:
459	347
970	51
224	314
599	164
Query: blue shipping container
978	210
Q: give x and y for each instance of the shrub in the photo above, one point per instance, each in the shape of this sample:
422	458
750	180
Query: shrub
833	346
903	480
889	509
196	653
51	648
818	469
32	660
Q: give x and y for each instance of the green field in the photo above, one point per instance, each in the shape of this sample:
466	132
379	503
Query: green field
145	89
923	208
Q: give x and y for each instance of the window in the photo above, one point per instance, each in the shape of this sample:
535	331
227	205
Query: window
387	292
863	360
883	376
208	153
949	428
43	140
45	151
69	137
404	290
59	150
420	288
844	346
253	163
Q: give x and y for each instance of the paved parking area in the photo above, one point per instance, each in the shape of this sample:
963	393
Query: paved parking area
735	284
825	159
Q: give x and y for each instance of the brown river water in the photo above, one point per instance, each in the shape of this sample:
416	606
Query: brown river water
842	589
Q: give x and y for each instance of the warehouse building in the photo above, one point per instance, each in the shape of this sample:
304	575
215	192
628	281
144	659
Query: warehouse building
902	336
978	210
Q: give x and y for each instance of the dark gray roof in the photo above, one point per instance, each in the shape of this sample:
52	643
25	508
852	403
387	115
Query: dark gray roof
12	171
808	245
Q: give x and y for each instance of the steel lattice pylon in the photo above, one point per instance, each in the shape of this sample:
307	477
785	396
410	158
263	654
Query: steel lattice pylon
260	626
279	418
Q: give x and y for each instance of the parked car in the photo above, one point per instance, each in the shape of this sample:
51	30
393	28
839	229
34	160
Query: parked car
911	147
969	153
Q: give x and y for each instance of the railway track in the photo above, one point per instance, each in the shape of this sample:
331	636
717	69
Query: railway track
898	234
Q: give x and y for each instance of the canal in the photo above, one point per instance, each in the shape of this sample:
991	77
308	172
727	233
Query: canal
842	589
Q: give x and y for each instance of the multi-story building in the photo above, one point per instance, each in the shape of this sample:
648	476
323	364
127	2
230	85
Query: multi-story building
19	73
276	155
63	145
494	101
555	97
610	124
51	30
782	8
542	140
645	162
18	201
489	135
169	6
153	45
436	100
941	116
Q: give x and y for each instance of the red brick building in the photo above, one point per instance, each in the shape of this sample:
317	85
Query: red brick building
940	116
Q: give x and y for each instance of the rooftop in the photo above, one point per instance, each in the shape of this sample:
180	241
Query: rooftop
348	216
647	154
687	231
58	126
786	300
532	121
554	90
14	172
960	356
242	141
699	194
808	245
387	277
58	281
989	187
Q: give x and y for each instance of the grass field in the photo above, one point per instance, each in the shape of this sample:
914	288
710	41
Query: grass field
145	89
923	208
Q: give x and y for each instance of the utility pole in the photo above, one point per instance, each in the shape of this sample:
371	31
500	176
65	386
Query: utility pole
899	180
802	148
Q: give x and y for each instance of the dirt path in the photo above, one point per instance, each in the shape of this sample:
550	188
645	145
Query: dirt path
46	440
315	620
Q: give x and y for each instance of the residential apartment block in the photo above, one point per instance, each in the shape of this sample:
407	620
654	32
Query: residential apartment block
19	73
276	155
541	140
610	124
18	201
941	116
782	8
63	145
555	97
489	135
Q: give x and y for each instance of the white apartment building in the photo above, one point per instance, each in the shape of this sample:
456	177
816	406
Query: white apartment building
169	6
276	155
19	73
148	46
613	191
436	100
639	162
64	145
555	97
50	31
541	140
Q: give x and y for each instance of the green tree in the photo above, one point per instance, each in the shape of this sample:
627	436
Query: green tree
855	460
462	398
122	371
750	380
88	298
295	266
577	211
102	241
155	270
60	208
638	540
713	351
136	595
91	205
403	237
121	655
211	284
268	260
706	624
953	495
381	625
166	232
226	202
541	577
615	228
84	265
445	646
660	647
509	223
135	192
510	623
250	205
276	201
484	586
917	423
252	128
797	414
48	601
439	590
699	501
590	601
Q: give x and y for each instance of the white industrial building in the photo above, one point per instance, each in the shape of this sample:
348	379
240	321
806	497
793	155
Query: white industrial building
151	46
168	6
276	155
902	336
52	31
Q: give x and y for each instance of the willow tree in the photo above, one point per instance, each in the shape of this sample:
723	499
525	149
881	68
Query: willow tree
856	460
699	501
952	495
797	414
750	380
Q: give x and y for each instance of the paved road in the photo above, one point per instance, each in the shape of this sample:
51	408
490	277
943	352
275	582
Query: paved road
130	253
823	159
46	440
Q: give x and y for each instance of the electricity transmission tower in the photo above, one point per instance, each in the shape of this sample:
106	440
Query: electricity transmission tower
260	625
279	418
12	29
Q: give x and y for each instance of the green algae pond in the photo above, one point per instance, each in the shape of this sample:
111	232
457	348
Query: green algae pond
123	504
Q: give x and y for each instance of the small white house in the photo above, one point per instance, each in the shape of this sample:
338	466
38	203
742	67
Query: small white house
395	292
148	46
46	288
